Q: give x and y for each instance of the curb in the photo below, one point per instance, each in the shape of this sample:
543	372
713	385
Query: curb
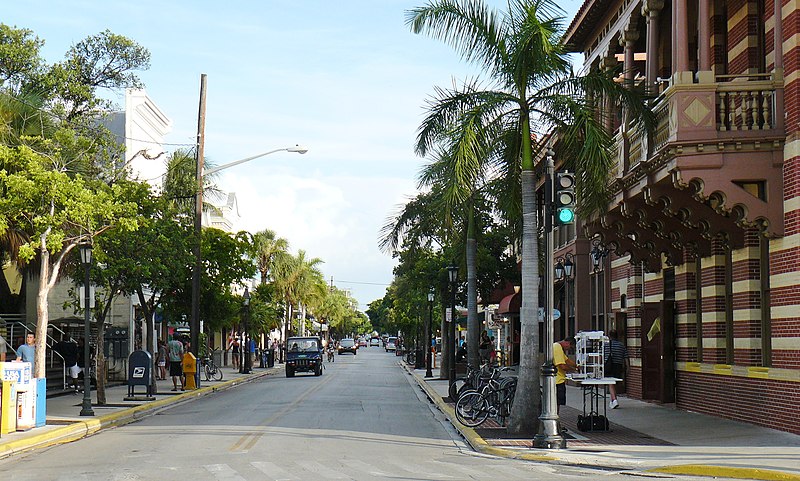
80	429
480	445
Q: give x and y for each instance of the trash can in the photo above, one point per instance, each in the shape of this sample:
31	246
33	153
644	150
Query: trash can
271	357
140	372
419	357
189	365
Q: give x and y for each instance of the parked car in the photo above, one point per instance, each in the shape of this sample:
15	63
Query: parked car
375	341
304	354
391	344
362	342
347	345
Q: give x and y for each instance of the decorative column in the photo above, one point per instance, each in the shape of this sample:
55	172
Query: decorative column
704	74
680	55
627	40
650	10
609	62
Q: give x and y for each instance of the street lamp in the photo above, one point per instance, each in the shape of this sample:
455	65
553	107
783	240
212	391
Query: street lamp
198	227
244	365
565	269
597	254
452	273
86	260
428	345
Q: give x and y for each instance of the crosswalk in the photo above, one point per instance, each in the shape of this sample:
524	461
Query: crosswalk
360	469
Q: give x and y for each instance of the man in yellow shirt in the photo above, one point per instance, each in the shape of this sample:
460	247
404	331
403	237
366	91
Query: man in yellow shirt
564	365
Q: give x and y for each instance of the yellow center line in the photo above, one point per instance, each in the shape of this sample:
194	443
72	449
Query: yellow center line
248	440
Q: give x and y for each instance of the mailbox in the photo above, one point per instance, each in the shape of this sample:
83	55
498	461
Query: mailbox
140	372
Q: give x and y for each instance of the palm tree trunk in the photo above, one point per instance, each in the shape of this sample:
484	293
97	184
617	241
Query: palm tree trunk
473	326
527	402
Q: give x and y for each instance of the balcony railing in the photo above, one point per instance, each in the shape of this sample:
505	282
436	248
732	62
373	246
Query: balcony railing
745	102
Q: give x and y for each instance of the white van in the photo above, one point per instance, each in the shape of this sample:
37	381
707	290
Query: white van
391	344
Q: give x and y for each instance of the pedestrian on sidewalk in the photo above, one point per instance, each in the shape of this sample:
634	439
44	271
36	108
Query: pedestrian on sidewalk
27	352
234	347
175	349
615	363
161	360
483	347
69	353
564	365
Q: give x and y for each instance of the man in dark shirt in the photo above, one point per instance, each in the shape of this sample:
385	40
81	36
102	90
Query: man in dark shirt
69	351
616	359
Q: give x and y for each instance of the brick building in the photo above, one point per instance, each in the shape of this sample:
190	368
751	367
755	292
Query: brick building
696	262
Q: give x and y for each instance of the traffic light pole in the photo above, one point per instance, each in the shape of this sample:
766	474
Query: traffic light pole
549	436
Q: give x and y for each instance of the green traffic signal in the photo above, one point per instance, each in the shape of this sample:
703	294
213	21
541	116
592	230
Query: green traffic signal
566	216
565	198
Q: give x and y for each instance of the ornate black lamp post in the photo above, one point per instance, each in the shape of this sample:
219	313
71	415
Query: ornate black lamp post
86	260
452	273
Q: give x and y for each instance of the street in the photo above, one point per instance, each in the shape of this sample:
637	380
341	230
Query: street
362	419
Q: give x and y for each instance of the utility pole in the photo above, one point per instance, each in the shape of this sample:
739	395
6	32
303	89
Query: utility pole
194	326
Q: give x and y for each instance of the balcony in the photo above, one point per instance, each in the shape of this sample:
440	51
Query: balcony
713	166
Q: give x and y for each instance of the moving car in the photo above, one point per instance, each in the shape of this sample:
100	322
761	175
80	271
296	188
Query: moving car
391	344
362	342
375	341
304	354
348	345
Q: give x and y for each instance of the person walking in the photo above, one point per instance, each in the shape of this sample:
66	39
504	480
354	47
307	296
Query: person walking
235	347
161	360
175	349
615	362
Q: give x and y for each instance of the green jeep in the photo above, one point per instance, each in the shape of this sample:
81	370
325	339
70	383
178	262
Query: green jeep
303	354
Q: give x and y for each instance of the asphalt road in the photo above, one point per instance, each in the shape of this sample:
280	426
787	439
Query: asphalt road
364	418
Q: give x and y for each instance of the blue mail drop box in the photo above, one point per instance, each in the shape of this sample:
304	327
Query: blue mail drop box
140	371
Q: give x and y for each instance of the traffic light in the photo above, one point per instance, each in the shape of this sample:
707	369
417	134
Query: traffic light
565	198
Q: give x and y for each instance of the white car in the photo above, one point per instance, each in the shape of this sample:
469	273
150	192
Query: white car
374	342
391	344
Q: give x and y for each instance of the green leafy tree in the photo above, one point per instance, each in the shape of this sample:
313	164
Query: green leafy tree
57	212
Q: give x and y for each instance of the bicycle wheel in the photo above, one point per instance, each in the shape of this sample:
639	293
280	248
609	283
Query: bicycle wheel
458	387
208	371
217	374
471	409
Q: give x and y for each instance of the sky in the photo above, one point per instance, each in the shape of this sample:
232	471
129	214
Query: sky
347	79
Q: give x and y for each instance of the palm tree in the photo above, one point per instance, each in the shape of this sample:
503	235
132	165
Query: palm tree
521	52
268	246
294	278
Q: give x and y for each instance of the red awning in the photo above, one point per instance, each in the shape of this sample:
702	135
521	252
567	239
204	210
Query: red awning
510	303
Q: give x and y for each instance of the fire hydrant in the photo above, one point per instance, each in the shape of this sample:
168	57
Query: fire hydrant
189	370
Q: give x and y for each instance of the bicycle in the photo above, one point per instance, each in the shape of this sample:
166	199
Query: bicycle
411	358
474	380
494	399
212	371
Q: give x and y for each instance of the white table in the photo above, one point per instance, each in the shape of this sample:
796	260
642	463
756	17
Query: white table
596	390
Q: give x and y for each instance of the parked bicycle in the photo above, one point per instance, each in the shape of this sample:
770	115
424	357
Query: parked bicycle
211	370
474	380
494	399
411	358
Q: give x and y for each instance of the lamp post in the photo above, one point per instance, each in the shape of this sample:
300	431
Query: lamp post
198	227
565	269
597	254
428	345
244	365
452	274
86	260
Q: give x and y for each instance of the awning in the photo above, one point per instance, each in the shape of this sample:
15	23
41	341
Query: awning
510	303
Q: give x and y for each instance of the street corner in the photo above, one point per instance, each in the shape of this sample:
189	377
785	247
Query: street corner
727	472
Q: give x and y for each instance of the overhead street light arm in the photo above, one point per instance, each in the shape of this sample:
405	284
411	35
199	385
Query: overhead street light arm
297	148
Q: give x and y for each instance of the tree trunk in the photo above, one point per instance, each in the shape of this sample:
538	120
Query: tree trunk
527	401
42	315
100	358
473	325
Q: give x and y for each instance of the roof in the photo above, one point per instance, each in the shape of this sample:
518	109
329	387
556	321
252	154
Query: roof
585	22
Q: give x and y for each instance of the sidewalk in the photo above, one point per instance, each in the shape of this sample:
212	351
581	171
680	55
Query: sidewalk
64	423
643	437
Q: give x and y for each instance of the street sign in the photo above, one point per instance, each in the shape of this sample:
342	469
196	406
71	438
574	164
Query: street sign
556	314
448	316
